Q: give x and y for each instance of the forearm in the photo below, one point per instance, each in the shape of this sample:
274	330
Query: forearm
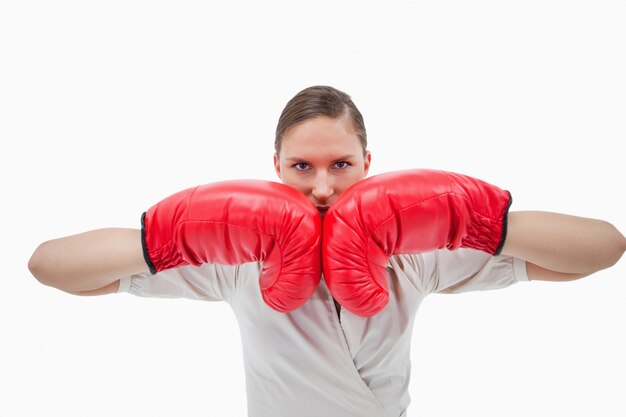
88	261
563	243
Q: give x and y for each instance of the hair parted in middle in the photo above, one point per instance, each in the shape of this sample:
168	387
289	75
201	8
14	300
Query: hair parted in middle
317	101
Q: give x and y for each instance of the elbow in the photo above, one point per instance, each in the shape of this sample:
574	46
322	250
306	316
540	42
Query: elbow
615	247
39	265
34	263
43	265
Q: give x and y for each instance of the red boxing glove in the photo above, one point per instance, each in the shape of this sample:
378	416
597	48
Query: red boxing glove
399	213
235	222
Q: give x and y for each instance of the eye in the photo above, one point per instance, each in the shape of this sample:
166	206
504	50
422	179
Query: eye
345	164
300	165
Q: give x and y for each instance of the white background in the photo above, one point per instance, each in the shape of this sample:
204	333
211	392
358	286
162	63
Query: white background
109	106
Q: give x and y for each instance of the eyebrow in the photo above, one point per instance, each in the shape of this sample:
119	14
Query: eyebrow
304	160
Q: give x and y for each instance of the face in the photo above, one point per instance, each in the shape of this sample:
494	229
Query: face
321	157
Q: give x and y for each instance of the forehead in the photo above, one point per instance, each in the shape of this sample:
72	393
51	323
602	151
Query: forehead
320	136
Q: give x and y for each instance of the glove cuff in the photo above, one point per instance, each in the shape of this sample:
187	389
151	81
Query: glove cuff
487	231
504	225
144	246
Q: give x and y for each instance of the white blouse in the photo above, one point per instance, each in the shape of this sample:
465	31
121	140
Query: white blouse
316	362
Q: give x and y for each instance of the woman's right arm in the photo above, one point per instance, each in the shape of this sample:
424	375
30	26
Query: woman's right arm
89	263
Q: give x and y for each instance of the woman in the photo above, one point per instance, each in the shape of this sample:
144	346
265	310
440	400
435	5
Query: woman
316	357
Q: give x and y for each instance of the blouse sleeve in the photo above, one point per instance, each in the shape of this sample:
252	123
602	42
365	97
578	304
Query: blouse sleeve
207	282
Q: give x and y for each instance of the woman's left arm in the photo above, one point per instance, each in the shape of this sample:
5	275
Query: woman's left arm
560	247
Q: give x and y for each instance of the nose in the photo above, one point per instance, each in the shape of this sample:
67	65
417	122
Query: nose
323	188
